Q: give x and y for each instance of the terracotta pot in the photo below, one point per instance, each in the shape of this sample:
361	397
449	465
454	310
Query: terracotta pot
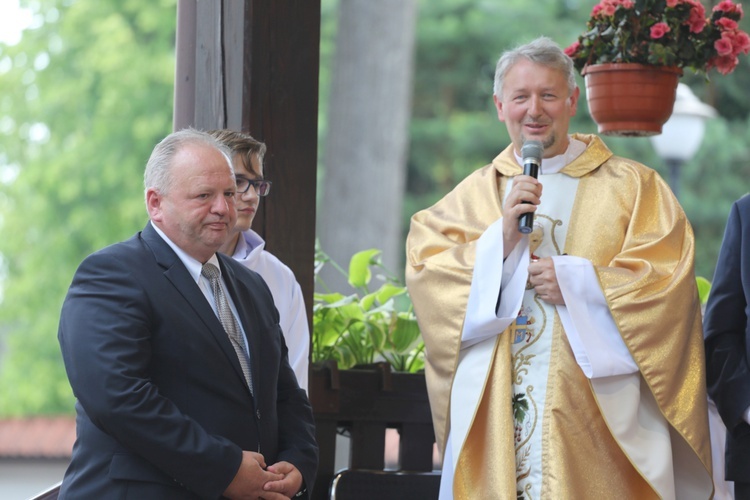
632	100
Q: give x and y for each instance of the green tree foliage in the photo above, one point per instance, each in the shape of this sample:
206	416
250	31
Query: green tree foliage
83	98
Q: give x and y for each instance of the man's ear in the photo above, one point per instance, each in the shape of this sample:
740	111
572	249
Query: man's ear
154	204
574	100
499	107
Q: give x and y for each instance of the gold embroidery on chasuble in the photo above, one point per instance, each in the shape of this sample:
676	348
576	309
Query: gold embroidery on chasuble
532	339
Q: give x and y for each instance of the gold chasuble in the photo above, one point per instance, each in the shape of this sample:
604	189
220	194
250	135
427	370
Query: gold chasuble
605	437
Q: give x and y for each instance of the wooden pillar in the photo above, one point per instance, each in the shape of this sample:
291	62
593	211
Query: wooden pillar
252	66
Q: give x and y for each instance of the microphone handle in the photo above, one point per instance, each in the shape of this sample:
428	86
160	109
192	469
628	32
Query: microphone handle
526	221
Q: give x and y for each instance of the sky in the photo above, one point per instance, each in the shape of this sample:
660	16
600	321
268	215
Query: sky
12	20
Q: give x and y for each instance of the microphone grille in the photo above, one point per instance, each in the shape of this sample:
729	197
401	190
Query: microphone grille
532	149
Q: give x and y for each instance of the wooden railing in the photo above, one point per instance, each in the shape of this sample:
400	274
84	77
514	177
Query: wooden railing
366	402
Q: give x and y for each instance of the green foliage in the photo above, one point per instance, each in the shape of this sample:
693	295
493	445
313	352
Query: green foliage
366	326
84	97
704	289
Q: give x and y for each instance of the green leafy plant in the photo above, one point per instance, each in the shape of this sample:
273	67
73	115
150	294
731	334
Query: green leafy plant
704	288
366	326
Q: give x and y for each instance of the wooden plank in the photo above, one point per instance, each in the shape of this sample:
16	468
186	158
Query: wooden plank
255	69
415	447
282	39
367	445
209	67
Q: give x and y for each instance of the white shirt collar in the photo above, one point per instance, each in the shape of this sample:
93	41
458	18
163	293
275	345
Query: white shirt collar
193	265
557	163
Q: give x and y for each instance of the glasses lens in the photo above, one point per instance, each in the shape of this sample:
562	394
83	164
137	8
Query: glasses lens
262	187
242	184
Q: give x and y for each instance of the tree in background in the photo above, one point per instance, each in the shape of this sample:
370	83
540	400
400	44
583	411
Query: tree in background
84	97
88	91
366	138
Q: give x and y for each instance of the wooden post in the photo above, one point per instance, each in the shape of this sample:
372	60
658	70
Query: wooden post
253	66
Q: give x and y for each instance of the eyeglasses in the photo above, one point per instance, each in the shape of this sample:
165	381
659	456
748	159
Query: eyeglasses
262	187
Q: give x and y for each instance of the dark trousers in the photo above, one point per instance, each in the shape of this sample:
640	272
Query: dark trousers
741	491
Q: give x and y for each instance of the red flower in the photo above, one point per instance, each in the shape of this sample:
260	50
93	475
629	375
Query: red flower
729	7
723	46
726	24
608	9
658	30
573	48
741	42
697	19
725	64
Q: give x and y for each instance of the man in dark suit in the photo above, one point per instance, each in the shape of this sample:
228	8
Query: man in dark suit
164	410
727	334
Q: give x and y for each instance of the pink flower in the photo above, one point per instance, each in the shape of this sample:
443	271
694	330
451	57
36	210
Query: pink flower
726	24
725	64
673	3
741	43
697	19
658	30
729	7
723	46
609	9
739	40
573	48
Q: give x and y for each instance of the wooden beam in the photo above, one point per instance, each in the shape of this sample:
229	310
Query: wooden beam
282	58
253	66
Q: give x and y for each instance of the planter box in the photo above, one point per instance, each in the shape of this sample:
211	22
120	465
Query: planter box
365	401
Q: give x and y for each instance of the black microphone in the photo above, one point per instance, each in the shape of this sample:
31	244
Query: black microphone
531	152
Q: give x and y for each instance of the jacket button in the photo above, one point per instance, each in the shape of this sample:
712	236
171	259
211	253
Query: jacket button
257	414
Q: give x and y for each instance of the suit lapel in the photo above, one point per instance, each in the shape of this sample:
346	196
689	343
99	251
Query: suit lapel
178	275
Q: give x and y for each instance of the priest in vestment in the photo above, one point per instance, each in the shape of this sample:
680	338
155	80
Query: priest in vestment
568	363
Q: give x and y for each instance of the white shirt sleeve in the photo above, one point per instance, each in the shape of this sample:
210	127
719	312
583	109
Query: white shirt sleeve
588	323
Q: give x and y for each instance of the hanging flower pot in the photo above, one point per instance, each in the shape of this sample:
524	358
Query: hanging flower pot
665	37
631	100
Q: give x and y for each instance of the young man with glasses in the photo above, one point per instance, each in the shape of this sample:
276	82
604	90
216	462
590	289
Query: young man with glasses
247	247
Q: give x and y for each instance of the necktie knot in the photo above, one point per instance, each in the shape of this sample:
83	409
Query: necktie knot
211	272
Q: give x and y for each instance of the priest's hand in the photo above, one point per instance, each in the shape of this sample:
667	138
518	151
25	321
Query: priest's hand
523	198
543	278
